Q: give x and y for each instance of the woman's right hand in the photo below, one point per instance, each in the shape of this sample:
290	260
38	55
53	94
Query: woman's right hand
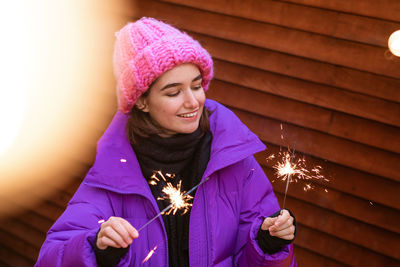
116	232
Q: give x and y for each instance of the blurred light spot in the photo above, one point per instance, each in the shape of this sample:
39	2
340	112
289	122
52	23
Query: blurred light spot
56	93
14	68
394	43
123	160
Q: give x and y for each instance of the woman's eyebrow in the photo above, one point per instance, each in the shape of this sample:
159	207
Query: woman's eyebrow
199	77
170	85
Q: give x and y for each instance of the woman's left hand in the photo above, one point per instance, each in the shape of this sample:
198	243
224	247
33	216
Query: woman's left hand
281	226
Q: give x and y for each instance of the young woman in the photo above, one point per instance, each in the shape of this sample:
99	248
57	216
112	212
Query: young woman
166	124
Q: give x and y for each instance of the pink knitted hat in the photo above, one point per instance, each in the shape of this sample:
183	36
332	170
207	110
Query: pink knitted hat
146	49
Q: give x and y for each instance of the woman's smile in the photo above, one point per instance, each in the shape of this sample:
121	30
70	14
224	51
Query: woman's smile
176	99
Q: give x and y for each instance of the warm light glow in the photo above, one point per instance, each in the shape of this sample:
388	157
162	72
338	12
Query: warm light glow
11	113
57	90
394	43
14	68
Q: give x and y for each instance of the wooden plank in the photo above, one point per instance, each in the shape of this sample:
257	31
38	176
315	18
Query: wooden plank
10	258
302	68
57	197
341	203
276	107
335	123
373	189
309	45
36	221
315	94
310	19
335	248
385	9
365	131
305	257
354	232
23	232
335	149
49	210
22	248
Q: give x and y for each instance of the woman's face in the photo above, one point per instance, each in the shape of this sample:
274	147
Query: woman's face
176	99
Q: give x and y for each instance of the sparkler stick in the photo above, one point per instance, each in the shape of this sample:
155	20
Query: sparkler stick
289	174
172	204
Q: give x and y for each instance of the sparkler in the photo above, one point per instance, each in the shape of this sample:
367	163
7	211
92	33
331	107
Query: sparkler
171	193
290	169
176	197
287	170
295	169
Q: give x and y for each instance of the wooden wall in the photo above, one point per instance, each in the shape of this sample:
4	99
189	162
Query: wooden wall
316	72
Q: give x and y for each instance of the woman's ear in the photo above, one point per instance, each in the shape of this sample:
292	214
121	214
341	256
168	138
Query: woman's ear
142	105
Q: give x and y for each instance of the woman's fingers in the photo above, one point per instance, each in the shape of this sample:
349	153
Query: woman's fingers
282	218
111	233
133	233
104	242
267	223
116	232
287	233
282	226
283	221
120	229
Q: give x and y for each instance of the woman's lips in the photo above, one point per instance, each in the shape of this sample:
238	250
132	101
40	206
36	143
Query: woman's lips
188	115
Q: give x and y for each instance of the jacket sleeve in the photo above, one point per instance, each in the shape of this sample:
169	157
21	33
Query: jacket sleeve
258	201
70	241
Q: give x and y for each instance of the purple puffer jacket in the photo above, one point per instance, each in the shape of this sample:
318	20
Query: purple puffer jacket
226	214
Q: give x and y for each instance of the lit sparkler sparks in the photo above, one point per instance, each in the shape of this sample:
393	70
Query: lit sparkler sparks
291	169
154	179
149	254
177	198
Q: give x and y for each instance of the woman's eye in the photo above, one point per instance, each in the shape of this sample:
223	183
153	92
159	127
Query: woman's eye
197	87
173	94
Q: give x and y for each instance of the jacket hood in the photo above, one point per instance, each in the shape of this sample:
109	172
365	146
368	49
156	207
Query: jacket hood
116	167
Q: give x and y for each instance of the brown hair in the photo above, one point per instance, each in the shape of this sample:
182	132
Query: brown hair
141	124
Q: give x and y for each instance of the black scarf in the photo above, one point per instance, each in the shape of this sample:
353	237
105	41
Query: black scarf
186	156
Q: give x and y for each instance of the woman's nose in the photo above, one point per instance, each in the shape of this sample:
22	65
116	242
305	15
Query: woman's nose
190	99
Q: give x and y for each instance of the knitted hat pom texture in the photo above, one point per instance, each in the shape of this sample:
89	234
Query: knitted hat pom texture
147	48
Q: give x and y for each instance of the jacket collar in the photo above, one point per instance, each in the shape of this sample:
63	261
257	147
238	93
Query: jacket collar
116	167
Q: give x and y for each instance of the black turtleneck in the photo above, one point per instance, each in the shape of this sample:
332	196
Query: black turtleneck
186	156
